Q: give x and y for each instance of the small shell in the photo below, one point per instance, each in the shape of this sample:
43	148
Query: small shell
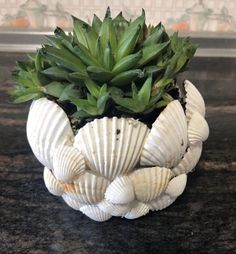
120	191
52	184
89	188
190	159
198	129
111	146
114	210
71	202
167	141
194	100
161	202
94	213
47	127
176	186
139	209
68	163
149	183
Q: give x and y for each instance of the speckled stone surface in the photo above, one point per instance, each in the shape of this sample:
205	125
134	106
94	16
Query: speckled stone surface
202	220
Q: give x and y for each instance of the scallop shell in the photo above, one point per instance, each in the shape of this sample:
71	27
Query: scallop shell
161	202
189	160
149	183
139	209
198	129
111	146
47	127
194	100
71	202
89	189
52	184
114	210
94	213
167	141
176	186
120	191
68	163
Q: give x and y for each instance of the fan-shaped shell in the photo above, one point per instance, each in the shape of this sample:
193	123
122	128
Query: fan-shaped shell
68	163
52	184
189	160
194	100
139	209
47	127
198	129
71	202
167	141
114	210
88	189
176	186
161	202
149	183
94	213
120	191
111	146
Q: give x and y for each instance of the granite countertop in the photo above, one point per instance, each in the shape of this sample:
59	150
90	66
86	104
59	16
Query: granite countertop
202	220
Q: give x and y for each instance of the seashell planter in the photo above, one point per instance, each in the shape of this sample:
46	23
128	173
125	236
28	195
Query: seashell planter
118	166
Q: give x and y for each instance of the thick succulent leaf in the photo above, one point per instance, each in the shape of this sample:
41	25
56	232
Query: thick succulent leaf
126	77
54	89
68	92
99	73
108	58
96	23
155	37
126	63
56	73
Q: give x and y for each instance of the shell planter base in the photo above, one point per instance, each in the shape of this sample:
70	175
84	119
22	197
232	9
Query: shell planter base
118	166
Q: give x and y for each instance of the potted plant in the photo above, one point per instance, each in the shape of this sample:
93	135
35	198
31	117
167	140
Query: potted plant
116	132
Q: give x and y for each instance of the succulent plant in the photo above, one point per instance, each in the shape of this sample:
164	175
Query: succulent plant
112	67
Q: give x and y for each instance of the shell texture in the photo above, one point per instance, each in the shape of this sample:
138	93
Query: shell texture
47	127
167	141
139	209
52	184
161	202
113	209
194	100
71	202
90	188
68	163
176	186
198	129
94	213
149	183
120	191
111	146
190	159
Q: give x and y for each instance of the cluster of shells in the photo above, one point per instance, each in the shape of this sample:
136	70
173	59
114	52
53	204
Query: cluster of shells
118	166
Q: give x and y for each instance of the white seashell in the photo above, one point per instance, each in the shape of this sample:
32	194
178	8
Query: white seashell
176	186
149	183
52	184
111	146
139	209
167	141
189	160
114	210
89	188
68	163
194	100
47	127
71	202
94	213
161	202
198	129
120	191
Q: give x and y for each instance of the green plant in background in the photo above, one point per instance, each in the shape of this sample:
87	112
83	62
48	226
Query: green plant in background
112	67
